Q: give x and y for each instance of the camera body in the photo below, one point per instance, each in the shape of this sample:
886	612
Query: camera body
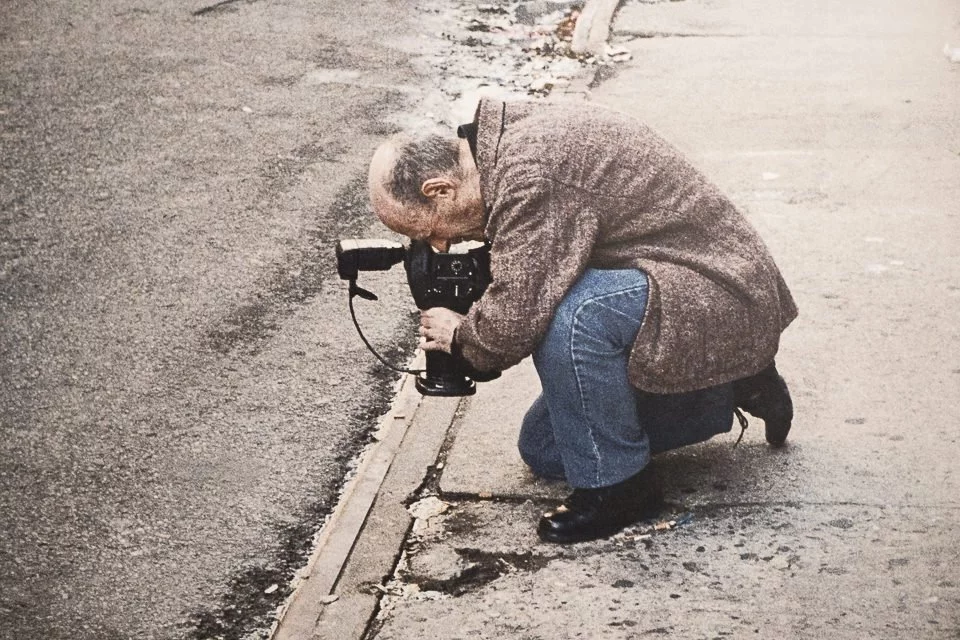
451	280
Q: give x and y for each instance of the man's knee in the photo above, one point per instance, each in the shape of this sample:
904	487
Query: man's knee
554	348
556	342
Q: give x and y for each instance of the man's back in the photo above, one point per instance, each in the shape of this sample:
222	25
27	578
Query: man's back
572	186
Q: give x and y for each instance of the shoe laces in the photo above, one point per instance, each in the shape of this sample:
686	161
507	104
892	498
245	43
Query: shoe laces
744	423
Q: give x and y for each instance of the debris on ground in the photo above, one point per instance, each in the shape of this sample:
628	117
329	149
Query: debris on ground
508	49
643	532
428	507
423	511
567	25
952	53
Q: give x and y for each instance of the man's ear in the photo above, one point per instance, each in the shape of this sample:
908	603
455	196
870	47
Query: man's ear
440	187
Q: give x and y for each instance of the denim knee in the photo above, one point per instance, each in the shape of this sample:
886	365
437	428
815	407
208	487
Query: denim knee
554	349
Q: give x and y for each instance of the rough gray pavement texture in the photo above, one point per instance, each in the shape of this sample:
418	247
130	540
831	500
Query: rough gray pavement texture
182	390
834	128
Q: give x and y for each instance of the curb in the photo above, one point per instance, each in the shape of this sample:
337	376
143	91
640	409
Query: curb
338	593
593	27
315	583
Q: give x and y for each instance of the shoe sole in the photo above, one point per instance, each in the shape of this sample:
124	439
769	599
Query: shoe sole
776	432
606	532
648	512
776	428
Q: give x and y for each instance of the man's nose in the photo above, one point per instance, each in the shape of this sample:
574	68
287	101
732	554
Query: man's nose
441	245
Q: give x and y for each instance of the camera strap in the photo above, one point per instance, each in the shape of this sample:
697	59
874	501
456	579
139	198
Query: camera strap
356	290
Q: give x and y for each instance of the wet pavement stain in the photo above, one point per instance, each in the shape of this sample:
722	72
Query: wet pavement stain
298	278
483	567
246	605
225	6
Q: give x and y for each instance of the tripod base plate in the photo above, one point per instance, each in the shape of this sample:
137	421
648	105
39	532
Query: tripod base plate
445	387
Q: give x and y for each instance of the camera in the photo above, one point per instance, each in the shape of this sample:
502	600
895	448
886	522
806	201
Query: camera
451	280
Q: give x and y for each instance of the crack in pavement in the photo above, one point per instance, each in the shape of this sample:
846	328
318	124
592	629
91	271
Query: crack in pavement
627	33
223	6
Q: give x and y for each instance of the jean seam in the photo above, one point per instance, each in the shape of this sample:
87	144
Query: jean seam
576	368
616	311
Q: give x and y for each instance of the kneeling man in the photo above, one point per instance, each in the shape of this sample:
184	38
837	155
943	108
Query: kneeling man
651	307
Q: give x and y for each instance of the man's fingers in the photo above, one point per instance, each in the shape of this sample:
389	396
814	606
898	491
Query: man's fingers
437	326
430	345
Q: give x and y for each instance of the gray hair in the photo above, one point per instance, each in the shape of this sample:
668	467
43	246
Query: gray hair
418	160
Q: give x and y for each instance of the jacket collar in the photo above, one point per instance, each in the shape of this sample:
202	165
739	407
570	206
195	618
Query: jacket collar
487	126
468	132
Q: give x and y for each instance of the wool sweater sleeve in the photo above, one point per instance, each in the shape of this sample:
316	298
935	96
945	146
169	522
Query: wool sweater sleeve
542	234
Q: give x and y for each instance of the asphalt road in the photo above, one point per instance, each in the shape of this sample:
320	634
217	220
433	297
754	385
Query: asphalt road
182	391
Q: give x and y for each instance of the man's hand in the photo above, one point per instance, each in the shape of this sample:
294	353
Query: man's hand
436	328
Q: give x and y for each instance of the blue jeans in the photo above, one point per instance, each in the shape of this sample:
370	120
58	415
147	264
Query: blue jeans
590	426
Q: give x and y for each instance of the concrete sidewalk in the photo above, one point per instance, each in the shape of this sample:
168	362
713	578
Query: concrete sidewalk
834	127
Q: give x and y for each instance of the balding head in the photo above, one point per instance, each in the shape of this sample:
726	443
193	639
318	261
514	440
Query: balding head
420	187
385	206
412	161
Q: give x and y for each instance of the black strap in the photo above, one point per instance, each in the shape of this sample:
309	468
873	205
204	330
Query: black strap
469	133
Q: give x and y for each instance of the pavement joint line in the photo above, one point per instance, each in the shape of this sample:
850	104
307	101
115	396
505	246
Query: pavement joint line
336	539
461	497
828	503
649	35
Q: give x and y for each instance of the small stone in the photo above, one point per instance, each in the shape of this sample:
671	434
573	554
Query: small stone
428	507
542	84
841	523
952	53
617	53
271	589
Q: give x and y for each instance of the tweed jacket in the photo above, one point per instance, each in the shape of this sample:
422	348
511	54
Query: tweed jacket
572	186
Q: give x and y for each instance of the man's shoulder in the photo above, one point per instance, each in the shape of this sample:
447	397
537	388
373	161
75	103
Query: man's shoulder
568	141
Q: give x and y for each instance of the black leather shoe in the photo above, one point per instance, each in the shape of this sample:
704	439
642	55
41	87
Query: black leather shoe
589	514
765	395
